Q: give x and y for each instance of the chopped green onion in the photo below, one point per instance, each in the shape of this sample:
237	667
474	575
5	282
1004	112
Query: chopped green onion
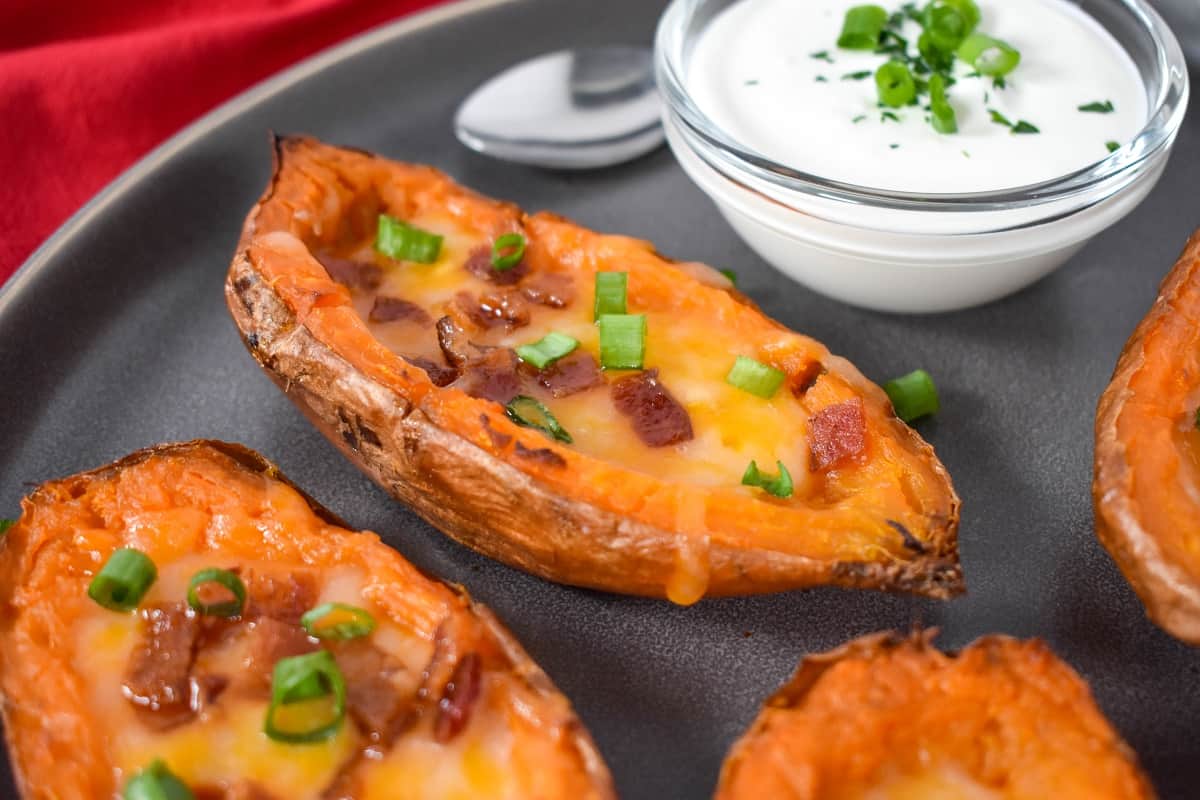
937	58
406	243
529	413
123	580
1113	146
728	273
780	485
755	377
945	26
969	11
622	341
507	251
337	621
913	395
222	577
5	524
895	84
547	350
862	27
999	118
610	293
1098	107
156	782
1025	127
989	56
942	114
300	678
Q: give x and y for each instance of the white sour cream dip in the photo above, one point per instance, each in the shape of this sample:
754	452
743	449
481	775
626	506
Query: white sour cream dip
753	73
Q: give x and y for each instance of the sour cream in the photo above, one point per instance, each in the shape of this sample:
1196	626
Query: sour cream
753	73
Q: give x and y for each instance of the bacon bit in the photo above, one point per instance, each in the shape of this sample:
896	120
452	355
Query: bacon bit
440	374
571	375
458	698
492	375
372	697
157	678
658	418
283	599
553	289
542	454
352	274
453	341
494	309
397	309
837	433
271	640
479	264
806	378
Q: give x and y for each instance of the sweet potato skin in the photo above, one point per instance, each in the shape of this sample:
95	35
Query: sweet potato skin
440	458
1006	713
1146	472
55	749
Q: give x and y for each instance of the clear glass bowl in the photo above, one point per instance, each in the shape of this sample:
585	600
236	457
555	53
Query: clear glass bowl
903	251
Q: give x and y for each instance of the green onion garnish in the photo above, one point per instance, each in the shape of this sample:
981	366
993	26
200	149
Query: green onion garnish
507	251
156	782
406	243
610	293
529	413
968	9
942	115
728	273
298	679
622	341
547	350
337	621
945	27
755	377
1113	146
895	84
222	577
1098	107
862	27
999	118
123	580
989	56
5	524
913	395
780	485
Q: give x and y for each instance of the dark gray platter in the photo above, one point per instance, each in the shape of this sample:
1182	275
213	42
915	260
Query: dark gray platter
115	336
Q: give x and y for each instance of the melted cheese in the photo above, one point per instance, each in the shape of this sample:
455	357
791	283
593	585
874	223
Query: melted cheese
731	426
946	782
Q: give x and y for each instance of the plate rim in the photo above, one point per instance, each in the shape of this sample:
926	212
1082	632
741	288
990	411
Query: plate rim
43	256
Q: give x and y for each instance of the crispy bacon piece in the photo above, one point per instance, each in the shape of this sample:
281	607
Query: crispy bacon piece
487	372
571	375
479	264
493	309
837	433
440	374
553	289
454	709
352	274
283	599
157	679
397	309
658	418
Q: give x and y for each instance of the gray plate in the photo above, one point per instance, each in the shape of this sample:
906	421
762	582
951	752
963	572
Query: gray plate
115	336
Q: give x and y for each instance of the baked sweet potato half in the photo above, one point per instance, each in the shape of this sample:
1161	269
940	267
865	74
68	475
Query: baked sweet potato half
1146	486
572	403
886	717
186	623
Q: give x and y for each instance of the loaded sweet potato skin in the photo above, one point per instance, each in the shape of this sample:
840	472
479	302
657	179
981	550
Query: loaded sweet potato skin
1147	457
891	718
71	734
518	497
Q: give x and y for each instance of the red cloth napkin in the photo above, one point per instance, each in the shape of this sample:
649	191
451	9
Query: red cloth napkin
89	87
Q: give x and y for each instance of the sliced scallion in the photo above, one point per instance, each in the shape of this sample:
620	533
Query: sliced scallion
227	580
622	341
862	27
941	113
547	350
969	10
528	412
403	242
123	580
610	293
755	377
895	84
507	251
338	621
156	782
945	26
989	56
779	485
296	681
913	395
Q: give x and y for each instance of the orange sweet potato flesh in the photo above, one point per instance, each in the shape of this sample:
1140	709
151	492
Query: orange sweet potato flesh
224	504
1004	719
1146	486
511	493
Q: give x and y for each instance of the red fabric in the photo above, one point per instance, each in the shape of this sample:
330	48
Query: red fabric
89	86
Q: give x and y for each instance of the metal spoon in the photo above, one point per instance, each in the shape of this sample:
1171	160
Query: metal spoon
573	109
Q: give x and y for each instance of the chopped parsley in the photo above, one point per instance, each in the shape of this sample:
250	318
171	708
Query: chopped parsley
822	55
822	79
861	75
1025	127
859	118
886	115
1099	107
1113	146
751	82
